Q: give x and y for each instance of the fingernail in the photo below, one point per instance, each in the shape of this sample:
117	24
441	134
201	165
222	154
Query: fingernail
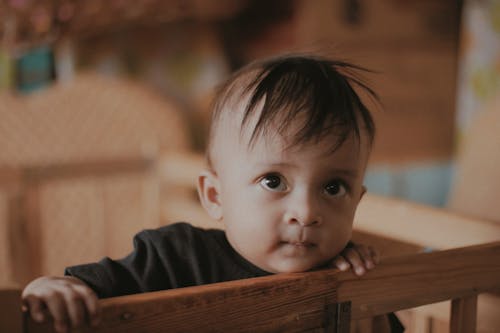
343	266
360	271
370	265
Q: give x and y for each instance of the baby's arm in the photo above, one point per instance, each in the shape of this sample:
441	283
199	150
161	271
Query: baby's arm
358	256
68	300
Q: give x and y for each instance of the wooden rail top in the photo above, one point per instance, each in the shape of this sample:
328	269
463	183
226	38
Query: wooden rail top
299	302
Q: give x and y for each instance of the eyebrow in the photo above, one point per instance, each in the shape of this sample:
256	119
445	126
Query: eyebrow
346	172
265	165
352	173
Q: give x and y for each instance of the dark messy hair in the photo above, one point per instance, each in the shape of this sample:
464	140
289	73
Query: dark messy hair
287	87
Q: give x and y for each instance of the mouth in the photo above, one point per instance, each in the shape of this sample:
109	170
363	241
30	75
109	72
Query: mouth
297	249
301	244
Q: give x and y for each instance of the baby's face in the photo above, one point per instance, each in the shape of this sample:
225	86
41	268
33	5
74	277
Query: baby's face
289	210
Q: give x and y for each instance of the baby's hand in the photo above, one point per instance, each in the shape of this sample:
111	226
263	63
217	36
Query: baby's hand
358	256
67	299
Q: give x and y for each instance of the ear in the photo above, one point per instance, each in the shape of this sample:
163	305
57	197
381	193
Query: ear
208	191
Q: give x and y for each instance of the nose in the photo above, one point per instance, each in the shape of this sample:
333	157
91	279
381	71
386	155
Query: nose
304	209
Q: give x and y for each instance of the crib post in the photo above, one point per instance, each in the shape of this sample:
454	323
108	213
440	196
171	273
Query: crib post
463	315
10	310
343	318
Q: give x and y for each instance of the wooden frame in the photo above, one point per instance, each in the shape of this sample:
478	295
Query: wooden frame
313	301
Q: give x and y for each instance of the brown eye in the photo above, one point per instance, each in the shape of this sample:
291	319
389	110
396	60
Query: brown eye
273	183
335	188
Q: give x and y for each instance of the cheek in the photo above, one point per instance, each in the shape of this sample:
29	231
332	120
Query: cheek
249	219
242	200
239	204
340	221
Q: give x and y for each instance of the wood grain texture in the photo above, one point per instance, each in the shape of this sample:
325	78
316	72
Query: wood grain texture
409	281
288	302
303	301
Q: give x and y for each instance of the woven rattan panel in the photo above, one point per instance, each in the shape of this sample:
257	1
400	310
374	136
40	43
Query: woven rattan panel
91	118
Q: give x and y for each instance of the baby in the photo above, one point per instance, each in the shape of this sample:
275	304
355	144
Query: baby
289	145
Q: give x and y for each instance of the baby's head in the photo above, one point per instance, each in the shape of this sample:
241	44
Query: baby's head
289	145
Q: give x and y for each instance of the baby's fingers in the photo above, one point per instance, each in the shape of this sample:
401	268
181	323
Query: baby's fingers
369	256
57	308
76	309
355	260
90	303
36	308
341	263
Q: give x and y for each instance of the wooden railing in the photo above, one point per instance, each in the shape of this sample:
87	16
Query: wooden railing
324	300
431	228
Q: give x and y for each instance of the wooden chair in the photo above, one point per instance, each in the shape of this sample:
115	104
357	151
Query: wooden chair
78	172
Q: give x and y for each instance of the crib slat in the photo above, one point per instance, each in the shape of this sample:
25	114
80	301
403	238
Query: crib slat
463	315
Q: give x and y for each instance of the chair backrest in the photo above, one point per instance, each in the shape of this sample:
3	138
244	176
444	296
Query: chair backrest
78	173
477	179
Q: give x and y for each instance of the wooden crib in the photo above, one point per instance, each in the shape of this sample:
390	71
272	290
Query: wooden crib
320	301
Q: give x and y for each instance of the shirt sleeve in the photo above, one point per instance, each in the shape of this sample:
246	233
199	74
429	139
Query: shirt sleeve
154	264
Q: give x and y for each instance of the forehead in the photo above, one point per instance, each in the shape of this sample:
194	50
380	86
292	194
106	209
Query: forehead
274	148
231	142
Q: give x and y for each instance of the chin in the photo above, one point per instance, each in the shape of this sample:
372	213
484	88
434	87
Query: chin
297	268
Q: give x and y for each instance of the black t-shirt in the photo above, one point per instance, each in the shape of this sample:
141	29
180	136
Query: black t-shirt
174	256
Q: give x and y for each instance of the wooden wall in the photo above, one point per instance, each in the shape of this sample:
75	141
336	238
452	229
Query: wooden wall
412	45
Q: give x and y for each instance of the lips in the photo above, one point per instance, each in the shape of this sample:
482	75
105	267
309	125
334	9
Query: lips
305	244
297	249
302	244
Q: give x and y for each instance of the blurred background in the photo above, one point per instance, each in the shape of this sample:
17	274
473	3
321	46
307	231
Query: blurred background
435	62
94	80
104	108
